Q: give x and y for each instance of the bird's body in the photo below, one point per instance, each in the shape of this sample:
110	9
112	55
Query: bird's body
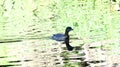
59	37
64	37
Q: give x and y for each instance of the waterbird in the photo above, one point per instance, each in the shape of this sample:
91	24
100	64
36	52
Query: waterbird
60	36
64	37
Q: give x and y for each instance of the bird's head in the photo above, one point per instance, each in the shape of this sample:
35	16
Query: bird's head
68	29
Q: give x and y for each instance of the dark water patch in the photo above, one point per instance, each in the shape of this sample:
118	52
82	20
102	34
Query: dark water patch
37	31
115	65
54	49
93	47
113	0
57	63
27	60
9	65
75	48
84	64
78	48
14	61
78	58
56	60
80	64
17	61
74	58
37	50
10	41
82	54
4	56
96	61
76	38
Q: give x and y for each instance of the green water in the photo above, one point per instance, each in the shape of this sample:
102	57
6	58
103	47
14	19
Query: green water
92	21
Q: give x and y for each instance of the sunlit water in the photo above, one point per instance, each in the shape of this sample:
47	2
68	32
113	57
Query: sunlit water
33	53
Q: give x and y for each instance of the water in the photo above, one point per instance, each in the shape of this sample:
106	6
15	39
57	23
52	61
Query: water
36	53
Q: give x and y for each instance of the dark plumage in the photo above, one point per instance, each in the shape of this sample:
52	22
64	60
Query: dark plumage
61	37
69	47
64	37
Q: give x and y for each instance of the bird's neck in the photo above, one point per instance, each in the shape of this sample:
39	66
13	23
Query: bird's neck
69	47
66	33
67	36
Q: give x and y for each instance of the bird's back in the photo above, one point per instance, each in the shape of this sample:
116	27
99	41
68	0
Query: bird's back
58	37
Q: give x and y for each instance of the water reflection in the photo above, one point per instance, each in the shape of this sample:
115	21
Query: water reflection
10	65
17	61
36	53
10	41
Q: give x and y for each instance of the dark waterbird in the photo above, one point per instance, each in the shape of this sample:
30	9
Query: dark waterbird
64	37
60	36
